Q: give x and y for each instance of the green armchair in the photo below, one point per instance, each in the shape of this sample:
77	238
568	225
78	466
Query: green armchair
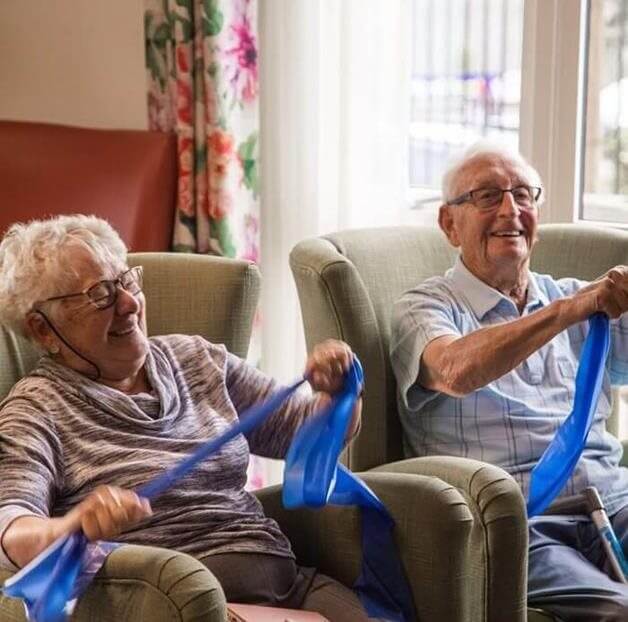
217	298
193	294
347	283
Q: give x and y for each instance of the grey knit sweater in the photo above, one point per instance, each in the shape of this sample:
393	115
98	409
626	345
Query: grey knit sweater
62	435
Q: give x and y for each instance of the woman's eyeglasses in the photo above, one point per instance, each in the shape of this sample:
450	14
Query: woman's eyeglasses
105	293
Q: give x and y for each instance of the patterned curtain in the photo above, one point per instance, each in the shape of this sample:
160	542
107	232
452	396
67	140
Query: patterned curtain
201	57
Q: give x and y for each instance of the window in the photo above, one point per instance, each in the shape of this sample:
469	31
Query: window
605	195
549	77
558	75
465	85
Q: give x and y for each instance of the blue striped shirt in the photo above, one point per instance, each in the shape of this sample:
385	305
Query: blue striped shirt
511	420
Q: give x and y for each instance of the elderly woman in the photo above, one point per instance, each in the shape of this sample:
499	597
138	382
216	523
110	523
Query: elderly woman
107	409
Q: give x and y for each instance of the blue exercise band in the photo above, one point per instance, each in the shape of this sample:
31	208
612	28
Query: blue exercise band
313	478
48	583
558	461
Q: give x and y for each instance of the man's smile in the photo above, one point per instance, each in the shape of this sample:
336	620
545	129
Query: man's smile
511	233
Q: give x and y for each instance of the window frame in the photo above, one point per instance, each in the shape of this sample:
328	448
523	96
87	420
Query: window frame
552	108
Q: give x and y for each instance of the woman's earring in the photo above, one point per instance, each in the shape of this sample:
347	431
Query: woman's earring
54	349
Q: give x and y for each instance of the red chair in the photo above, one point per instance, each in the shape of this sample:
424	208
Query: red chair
127	177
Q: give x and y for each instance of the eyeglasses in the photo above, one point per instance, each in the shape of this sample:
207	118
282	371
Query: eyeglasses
525	197
104	294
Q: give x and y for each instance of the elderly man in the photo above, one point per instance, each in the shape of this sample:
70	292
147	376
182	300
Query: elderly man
485	357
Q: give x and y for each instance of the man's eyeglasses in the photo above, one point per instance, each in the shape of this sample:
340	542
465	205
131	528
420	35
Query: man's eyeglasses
525	197
104	294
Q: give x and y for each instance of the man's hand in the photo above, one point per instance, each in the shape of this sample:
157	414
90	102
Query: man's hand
608	294
107	512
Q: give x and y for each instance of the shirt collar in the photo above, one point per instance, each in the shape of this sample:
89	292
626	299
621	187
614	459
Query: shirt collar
482	297
536	296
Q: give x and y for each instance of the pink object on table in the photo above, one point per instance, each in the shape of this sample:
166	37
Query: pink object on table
255	613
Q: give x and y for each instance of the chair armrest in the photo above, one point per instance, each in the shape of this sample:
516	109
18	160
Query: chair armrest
498	544
433	525
11	609
143	583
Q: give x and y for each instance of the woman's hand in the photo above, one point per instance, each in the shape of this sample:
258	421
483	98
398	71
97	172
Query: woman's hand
107	512
327	364
325	370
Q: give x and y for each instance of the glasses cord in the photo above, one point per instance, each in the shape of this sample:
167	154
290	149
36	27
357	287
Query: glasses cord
68	345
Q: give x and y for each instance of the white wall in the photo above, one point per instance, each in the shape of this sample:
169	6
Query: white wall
79	62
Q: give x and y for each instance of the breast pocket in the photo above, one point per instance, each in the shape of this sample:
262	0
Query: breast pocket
566	369
532	369
565	382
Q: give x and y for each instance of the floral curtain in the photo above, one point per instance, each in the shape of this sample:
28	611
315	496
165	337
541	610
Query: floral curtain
201	57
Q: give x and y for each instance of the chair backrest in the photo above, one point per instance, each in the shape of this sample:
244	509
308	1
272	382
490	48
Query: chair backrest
190	294
128	177
348	281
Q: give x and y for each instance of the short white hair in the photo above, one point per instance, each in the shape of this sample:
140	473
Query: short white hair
34	264
486	149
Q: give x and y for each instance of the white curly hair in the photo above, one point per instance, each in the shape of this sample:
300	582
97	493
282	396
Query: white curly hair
486	149
35	265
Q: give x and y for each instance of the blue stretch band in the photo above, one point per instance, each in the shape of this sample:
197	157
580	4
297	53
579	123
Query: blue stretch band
47	583
558	461
314	478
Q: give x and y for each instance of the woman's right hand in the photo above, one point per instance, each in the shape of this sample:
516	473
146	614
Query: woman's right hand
103	514
107	512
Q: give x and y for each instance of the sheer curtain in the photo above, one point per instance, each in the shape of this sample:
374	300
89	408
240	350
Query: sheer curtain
333	98
334	92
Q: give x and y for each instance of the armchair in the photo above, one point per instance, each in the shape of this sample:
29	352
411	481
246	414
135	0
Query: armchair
194	294
216	298
128	177
347	283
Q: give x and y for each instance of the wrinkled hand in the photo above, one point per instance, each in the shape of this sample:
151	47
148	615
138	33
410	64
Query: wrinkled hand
107	512
326	366
325	370
608	294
